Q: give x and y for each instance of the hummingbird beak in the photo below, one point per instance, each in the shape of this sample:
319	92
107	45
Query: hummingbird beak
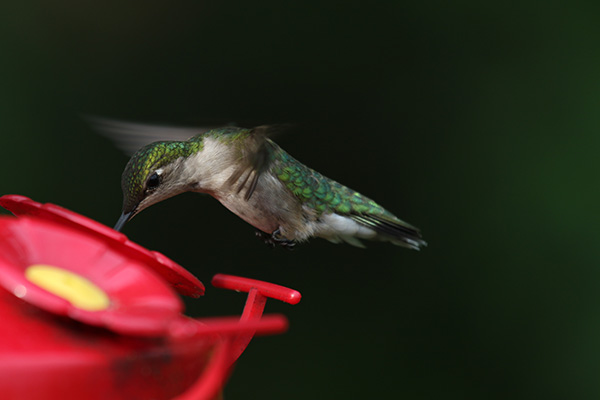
122	219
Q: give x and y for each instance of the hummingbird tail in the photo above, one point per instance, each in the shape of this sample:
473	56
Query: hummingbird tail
395	231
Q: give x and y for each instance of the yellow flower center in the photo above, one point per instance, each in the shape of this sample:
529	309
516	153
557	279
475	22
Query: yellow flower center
77	290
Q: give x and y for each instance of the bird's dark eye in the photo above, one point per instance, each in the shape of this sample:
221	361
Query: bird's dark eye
153	181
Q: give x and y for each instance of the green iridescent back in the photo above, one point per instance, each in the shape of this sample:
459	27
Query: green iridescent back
319	192
147	160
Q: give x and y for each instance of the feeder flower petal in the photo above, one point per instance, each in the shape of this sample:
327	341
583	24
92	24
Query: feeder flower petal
182	280
85	277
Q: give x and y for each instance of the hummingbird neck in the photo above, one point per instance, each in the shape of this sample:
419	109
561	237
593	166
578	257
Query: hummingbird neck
209	169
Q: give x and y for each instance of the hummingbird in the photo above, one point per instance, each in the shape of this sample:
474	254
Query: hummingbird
247	172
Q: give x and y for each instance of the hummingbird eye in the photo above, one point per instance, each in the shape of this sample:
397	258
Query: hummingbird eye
153	181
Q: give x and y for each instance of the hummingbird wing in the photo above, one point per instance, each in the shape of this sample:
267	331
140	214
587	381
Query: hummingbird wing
130	137
255	155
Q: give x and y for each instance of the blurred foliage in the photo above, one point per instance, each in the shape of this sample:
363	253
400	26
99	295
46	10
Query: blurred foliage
476	121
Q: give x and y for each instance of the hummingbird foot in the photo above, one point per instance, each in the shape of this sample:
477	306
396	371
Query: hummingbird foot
275	239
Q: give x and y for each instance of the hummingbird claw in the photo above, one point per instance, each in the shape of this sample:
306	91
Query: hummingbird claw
265	237
275	239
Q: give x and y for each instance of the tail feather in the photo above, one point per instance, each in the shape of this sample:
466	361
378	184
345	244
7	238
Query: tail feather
396	231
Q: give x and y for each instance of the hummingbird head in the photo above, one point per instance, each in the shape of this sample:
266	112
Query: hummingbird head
154	173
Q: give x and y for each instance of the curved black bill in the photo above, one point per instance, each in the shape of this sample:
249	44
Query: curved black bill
122	219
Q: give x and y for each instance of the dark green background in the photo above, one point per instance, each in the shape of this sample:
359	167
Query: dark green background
476	121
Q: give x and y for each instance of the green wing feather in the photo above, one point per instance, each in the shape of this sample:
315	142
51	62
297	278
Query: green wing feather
325	195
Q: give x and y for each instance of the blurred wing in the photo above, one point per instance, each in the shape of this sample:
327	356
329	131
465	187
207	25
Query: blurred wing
130	137
254	159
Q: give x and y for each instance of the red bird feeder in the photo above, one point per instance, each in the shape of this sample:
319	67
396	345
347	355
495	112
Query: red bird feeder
88	314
